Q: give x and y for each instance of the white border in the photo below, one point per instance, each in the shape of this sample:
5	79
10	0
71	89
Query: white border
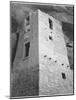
5	48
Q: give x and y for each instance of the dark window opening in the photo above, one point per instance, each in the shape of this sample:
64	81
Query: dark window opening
63	76
27	46
50	37
28	19
50	24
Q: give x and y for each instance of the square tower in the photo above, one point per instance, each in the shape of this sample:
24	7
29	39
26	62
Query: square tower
42	50
54	75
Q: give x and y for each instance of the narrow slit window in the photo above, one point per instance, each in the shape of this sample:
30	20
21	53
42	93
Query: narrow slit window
27	46
50	24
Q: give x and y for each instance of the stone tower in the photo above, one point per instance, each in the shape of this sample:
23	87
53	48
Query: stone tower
42	45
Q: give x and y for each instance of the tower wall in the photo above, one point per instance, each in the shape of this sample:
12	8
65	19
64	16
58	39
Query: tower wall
25	77
30	35
53	59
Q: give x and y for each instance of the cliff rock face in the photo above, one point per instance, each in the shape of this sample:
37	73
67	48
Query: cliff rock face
55	76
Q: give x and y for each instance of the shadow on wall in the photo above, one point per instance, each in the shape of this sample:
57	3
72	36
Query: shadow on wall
14	38
68	30
26	82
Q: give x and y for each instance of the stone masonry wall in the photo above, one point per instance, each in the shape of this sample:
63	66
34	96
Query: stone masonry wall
55	76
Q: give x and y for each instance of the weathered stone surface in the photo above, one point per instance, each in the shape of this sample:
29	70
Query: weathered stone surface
25	76
52	72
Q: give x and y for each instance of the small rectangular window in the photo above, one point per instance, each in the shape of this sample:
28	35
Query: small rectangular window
50	24
27	46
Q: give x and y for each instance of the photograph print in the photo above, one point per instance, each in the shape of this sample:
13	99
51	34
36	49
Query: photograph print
41	49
